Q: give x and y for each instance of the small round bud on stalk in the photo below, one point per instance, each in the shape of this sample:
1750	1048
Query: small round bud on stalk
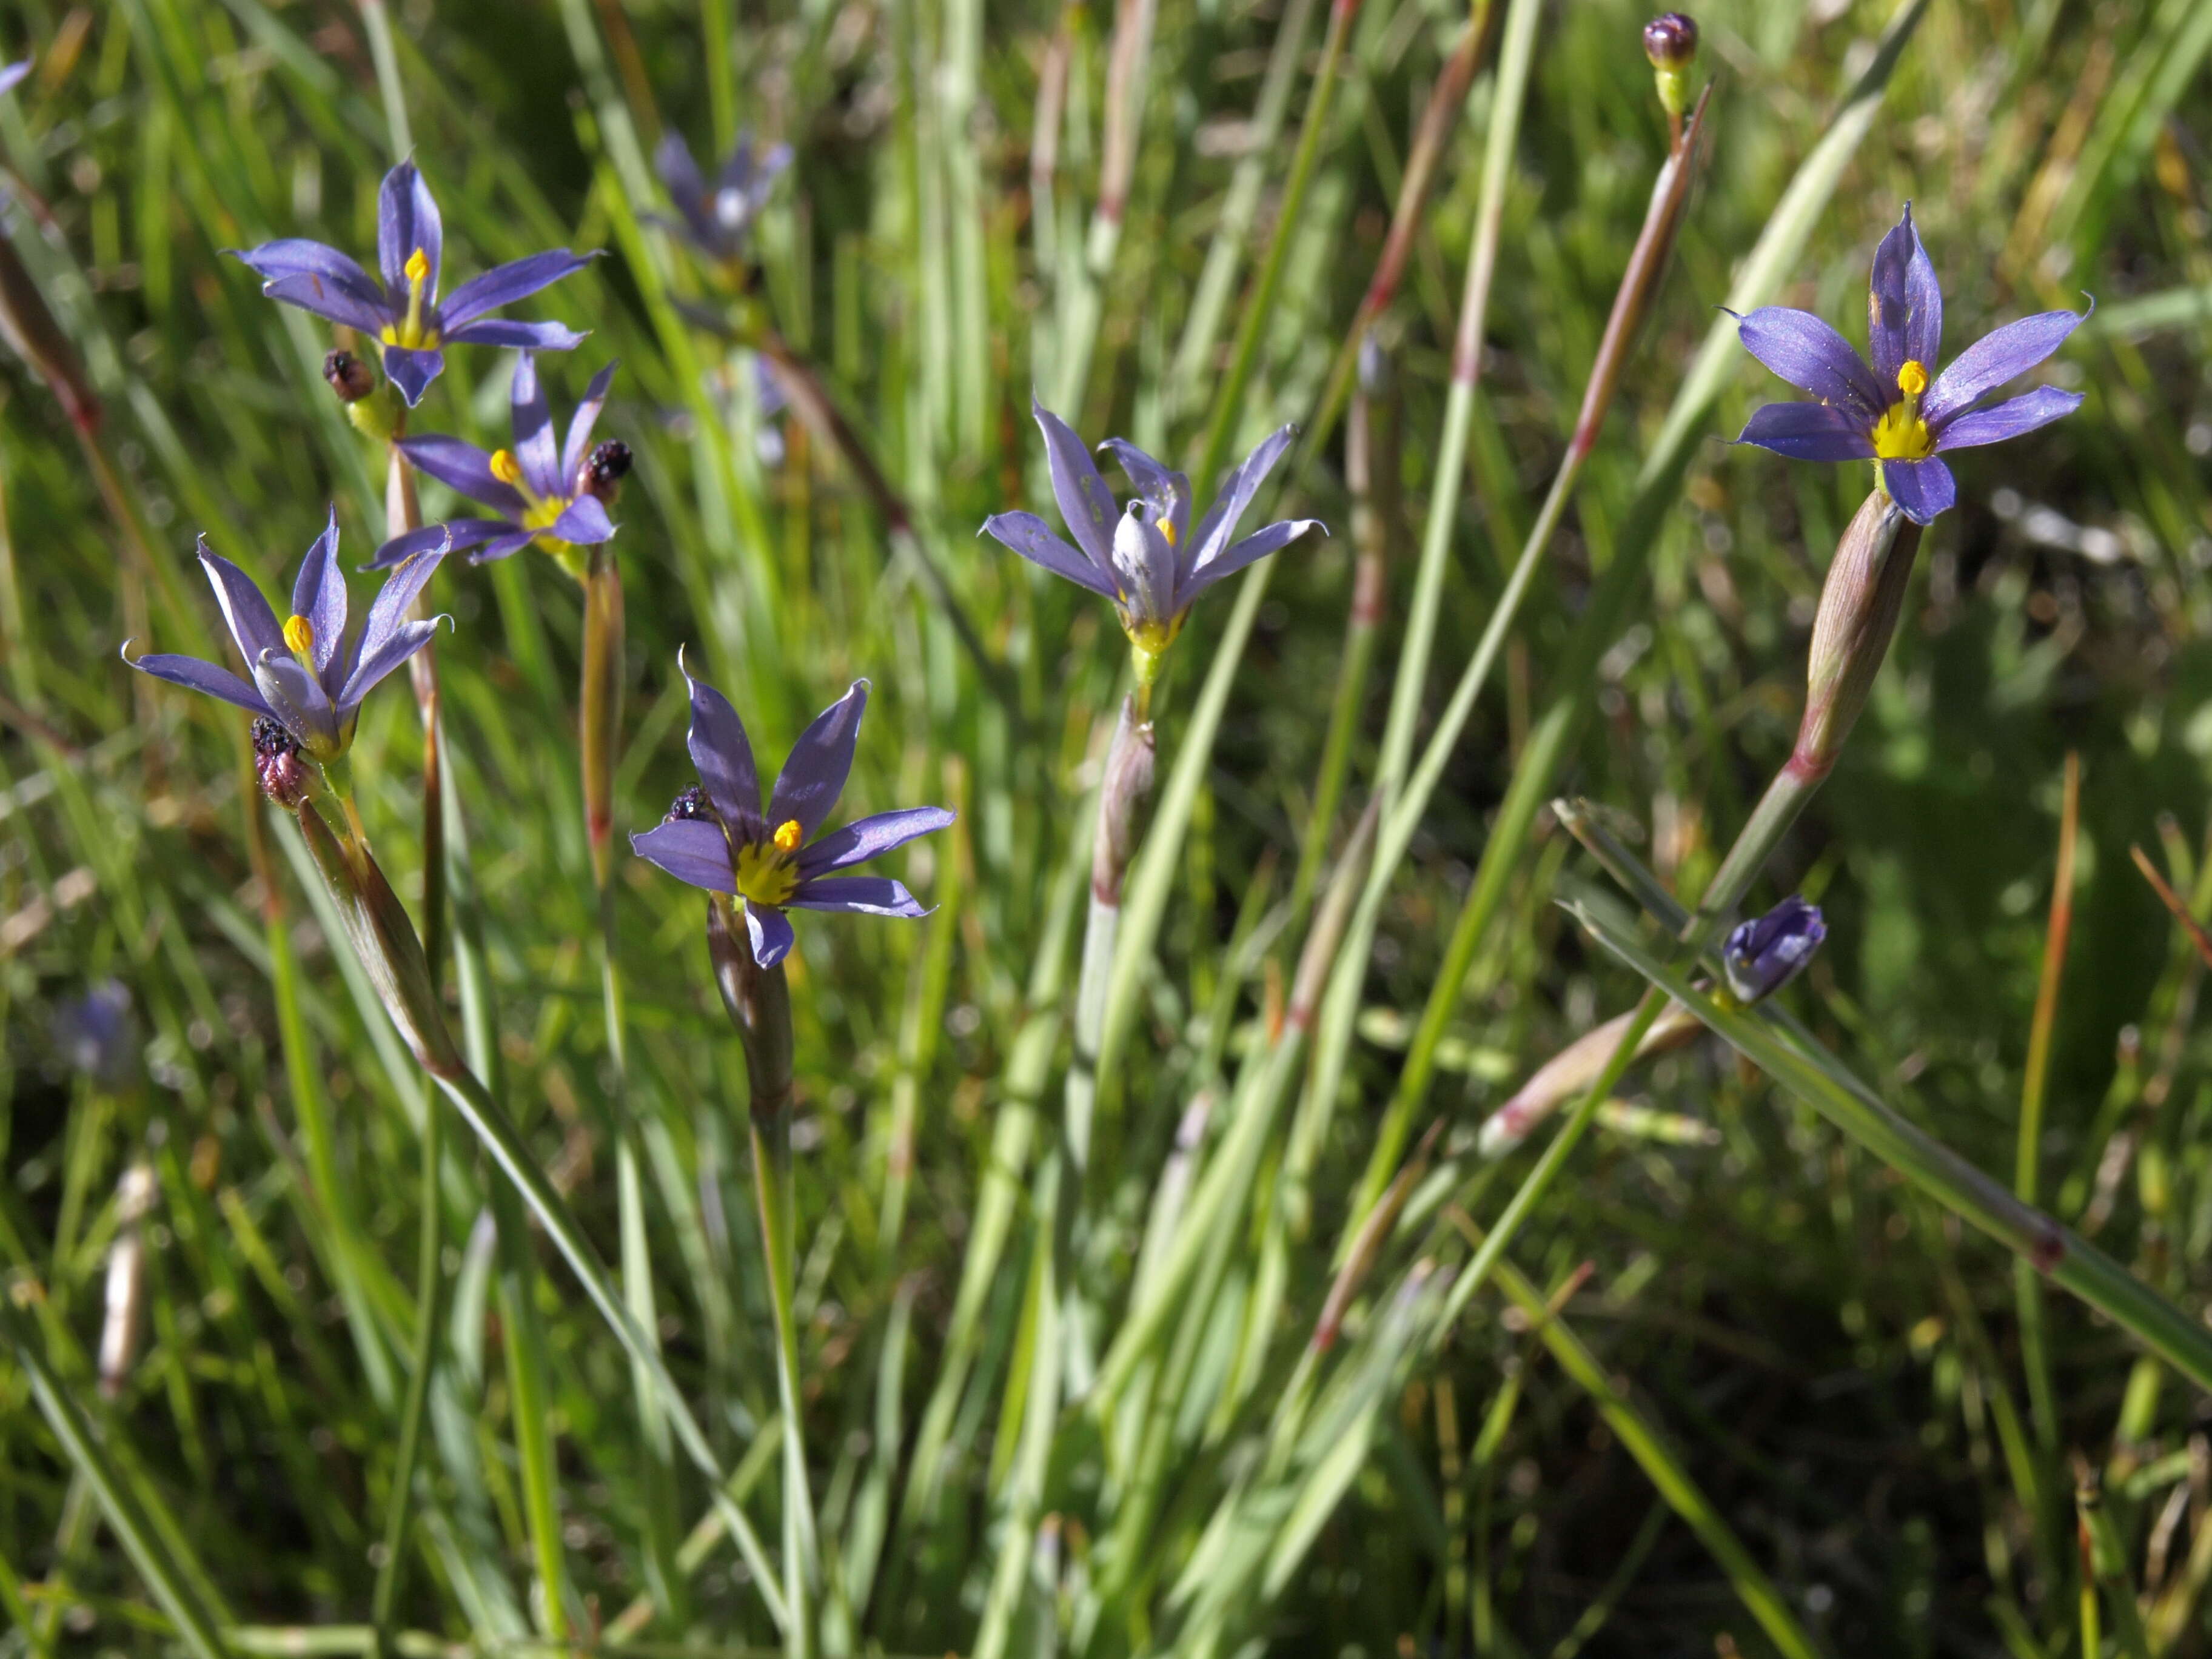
284	776
1764	954
1670	41
348	376
603	472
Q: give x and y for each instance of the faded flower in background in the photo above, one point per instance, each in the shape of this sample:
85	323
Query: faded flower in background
716	837
95	1034
1146	557
11	75
1900	413
1761	955
306	677
717	217
553	494
403	313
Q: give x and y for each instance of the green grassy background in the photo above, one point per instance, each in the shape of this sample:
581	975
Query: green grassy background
1833	1361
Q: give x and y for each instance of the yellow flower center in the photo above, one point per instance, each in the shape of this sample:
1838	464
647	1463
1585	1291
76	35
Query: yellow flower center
1166	528
506	468
411	333
765	871
300	636
539	512
1900	434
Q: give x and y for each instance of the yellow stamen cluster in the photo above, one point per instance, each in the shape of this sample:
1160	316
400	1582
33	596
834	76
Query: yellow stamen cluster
787	835
506	468
299	635
765	873
1166	528
1900	434
418	268
411	333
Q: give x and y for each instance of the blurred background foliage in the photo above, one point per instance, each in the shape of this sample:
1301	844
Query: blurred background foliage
1833	1361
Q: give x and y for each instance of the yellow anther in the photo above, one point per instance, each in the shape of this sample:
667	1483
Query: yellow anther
1912	378
505	467
299	635
1167	528
787	835
418	267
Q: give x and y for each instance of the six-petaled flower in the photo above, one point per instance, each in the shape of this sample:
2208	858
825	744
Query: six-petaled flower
1146	557
403	313
1900	413
308	677
1763	955
717	837
554	493
717	217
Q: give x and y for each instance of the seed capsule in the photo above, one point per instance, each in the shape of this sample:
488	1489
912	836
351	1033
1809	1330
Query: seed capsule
604	470
284	776
348	376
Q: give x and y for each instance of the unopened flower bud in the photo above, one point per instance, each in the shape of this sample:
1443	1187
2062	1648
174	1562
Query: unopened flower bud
1670	41
1122	793
602	470
1860	602
284	776
348	376
1764	954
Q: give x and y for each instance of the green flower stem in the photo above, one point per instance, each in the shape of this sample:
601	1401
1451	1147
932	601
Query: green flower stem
429	1320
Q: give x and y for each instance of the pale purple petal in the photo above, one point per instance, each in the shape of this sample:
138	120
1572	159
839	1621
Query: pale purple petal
403	641
1256	546
1809	432
319	595
326	301
860	895
502	547
407	219
692	850
867	838
770	932
388	638
296	697
1031	538
1813	357
815	771
463	467
1085	503
454	536
251	622
722	754
581	424
2009	419
12	75
412	371
1144	565
297	256
1168	493
1997	358
506	331
195	675
585	522
1206	543
531	417
1905	304
1921	488
504	284
672	161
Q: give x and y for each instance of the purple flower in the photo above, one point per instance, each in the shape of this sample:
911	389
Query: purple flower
405	313
555	493
1761	956
306	677
1900	413
717	837
718	217
1146	557
96	1035
11	75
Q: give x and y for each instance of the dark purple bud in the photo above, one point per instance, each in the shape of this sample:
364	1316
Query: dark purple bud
348	376
1670	41
1761	956
284	776
604	470
692	804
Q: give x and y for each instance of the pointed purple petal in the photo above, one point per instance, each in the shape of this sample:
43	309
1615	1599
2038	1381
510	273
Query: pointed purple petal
1144	566
463	467
454	536
297	698
12	76
1085	504
770	932
585	522
580	423
503	546
531	417
1257	545
319	595
1813	357
298	256
506	331
1809	432
1905	304
1031	538
388	638
1997	358
1206	543
412	371
2009	419
722	754
1167	494
407	219
403	641
332	303
672	161
815	771
692	850
251	622
1921	488
504	284
860	895
866	838
195	675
